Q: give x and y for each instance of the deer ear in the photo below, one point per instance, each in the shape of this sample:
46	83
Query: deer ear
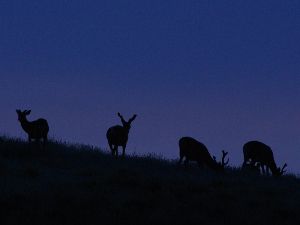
18	111
133	118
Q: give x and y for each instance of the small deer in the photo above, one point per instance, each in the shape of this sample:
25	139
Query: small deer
194	150
118	135
36	129
258	152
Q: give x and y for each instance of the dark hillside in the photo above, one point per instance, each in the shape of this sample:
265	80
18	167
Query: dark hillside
75	184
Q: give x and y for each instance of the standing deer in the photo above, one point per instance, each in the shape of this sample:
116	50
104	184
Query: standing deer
36	129
258	152
194	150
118	135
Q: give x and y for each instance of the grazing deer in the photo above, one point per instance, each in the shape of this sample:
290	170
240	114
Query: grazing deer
194	150
36	129
118	135
258	152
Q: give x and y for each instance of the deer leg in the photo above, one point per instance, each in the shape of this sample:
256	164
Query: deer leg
263	169
123	153
111	148
252	163
180	160
245	161
116	151
186	161
268	170
200	164
45	140
244	164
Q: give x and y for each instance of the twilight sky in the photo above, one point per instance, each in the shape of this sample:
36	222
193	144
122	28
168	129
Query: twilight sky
223	72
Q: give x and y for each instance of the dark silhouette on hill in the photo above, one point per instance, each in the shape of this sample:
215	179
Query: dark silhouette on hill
194	150
258	152
118	135
37	129
78	184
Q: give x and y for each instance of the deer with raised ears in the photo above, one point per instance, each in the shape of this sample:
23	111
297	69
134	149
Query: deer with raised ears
118	135
193	150
258	152
37	129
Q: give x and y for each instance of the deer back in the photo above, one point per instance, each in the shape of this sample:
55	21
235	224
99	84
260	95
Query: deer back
38	128
117	135
193	150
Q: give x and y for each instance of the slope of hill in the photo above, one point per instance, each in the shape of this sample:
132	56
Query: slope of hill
76	184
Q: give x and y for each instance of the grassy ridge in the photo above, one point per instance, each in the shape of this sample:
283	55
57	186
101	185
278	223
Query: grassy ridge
75	184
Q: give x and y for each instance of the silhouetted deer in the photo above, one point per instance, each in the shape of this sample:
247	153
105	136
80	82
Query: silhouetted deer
36	129
194	150
118	135
255	151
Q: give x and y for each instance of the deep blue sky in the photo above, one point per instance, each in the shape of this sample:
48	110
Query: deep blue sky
224	72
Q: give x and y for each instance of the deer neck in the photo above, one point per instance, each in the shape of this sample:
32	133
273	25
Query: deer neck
273	167
25	124
212	163
126	129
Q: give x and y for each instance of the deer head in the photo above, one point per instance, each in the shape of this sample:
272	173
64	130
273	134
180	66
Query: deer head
22	115
280	171
127	125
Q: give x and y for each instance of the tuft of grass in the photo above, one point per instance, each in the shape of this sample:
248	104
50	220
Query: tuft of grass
79	184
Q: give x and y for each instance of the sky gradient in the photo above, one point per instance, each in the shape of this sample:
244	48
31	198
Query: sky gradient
223	72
